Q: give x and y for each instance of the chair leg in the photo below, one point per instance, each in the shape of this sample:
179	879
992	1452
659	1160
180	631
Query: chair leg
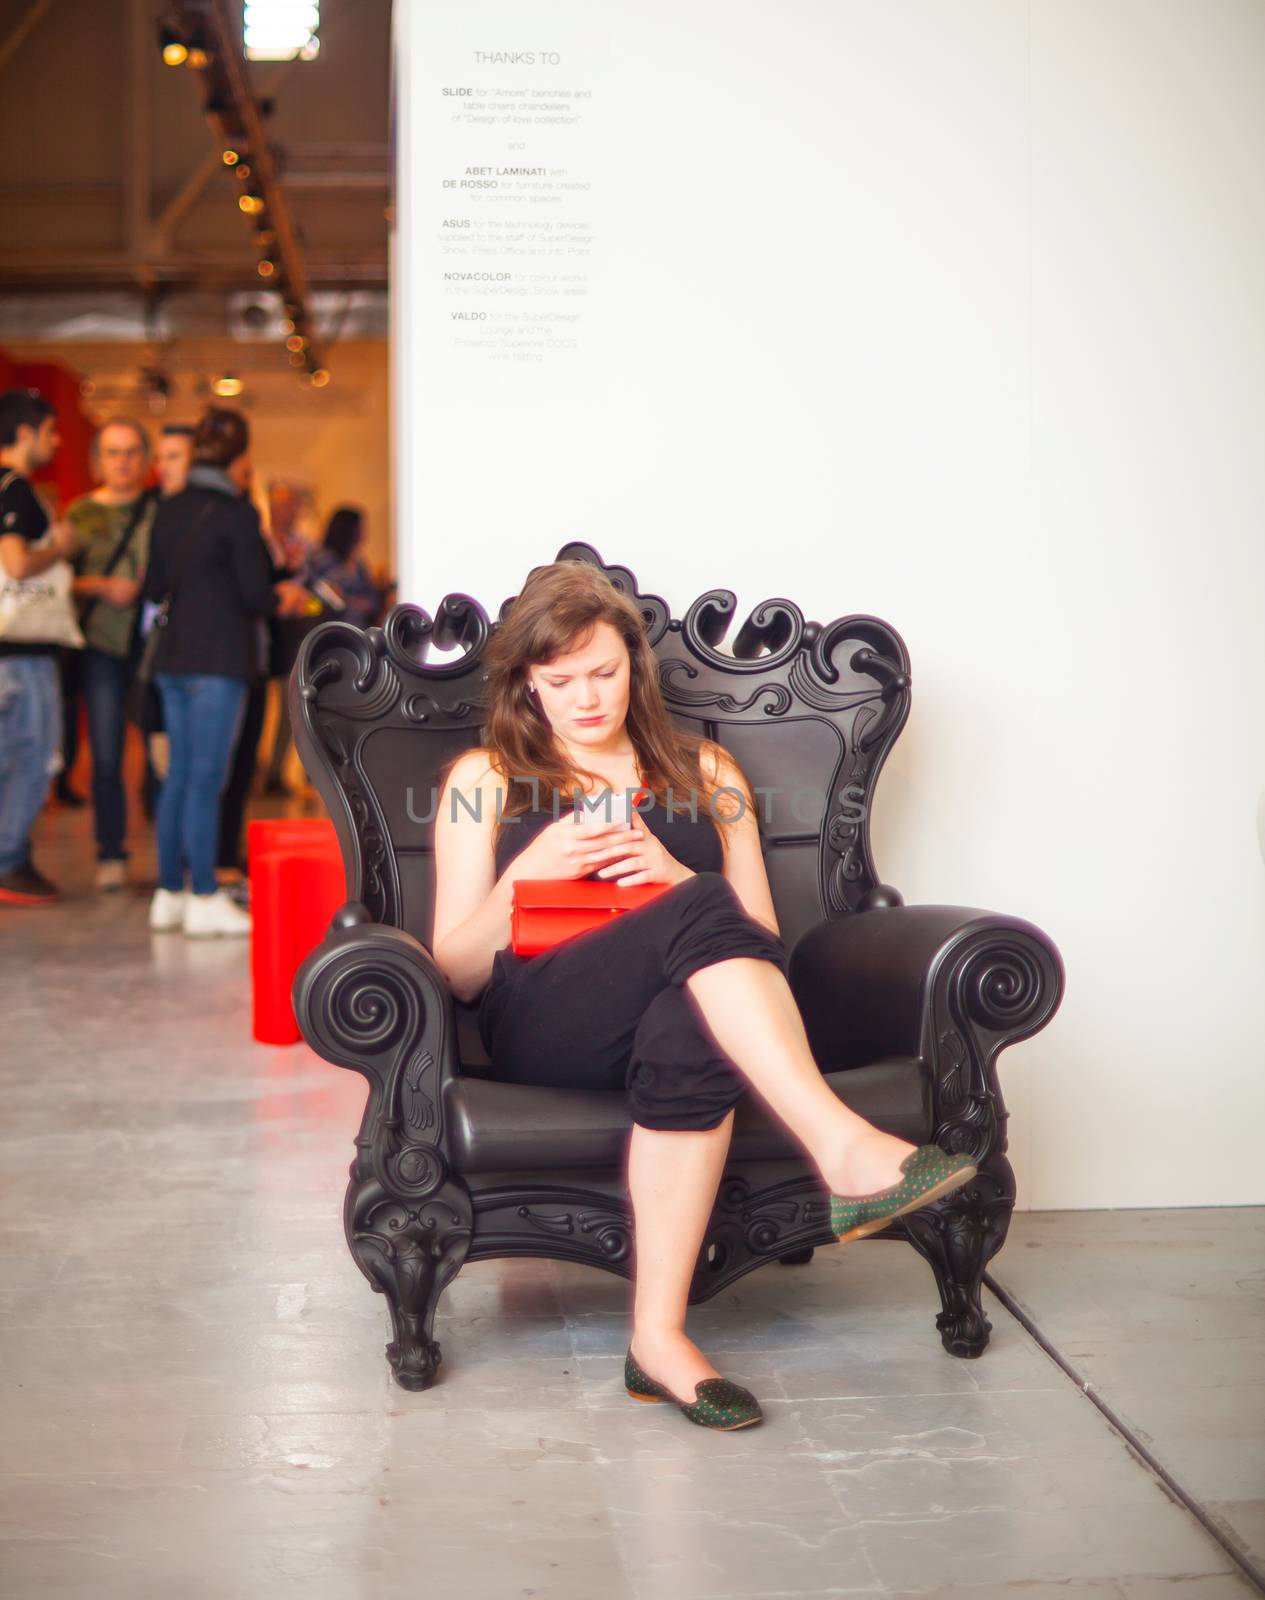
410	1251
959	1236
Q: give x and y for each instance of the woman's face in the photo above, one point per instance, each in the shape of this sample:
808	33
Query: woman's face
584	695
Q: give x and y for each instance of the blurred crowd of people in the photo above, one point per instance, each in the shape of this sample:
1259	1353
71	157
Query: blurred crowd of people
161	599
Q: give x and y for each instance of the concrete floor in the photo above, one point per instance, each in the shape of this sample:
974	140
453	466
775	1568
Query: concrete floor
196	1404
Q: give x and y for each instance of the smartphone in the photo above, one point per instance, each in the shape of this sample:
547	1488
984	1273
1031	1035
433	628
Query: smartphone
608	805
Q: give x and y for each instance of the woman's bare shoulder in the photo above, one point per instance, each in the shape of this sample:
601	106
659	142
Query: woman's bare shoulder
471	791
474	772
721	772
718	765
476	768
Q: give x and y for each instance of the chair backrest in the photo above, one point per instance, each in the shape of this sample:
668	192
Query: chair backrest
809	713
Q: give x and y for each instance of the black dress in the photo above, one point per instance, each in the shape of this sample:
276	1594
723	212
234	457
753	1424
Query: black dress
608	1010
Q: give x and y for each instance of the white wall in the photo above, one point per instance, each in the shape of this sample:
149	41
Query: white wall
953	314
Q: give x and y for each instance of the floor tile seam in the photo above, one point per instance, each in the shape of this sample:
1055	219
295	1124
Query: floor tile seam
827	1345
912	1394
1171	1485
106	1477
632	1564
833	1487
627	1571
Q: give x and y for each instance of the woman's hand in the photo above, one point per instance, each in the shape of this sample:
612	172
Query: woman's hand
570	849
646	861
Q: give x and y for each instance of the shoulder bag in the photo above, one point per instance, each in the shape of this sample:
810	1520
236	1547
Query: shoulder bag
38	610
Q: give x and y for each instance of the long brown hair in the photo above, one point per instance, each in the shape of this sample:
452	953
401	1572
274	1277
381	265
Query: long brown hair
555	613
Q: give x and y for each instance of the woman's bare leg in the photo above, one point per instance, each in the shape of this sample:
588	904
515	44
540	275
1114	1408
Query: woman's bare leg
672	1179
748	1005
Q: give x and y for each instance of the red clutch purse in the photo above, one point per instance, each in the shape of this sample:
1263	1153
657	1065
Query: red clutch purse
548	910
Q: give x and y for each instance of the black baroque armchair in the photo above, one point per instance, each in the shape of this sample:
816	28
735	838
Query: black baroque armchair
906	1007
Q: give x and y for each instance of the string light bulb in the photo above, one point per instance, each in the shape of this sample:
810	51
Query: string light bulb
175	54
251	204
320	378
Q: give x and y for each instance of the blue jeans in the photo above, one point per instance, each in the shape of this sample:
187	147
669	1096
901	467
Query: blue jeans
105	685
203	715
30	742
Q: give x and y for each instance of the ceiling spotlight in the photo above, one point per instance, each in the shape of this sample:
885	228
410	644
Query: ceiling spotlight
279	30
228	386
251	204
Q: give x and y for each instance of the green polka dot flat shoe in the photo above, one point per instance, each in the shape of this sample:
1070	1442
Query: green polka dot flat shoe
717	1402
929	1174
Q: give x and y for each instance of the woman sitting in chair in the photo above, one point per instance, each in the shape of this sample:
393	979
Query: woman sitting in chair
683	1001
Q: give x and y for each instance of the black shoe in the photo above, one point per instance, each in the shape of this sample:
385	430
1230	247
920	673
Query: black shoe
67	795
24	886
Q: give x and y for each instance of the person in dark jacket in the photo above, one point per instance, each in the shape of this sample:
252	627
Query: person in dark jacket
208	563
340	564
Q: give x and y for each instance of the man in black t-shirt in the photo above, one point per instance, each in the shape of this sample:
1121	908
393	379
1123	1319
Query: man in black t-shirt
30	694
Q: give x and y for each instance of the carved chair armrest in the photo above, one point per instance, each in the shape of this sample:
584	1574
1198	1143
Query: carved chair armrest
952	984
371	998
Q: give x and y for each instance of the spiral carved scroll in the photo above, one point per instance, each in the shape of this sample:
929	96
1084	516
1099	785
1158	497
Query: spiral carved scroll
999	985
371	1010
1002	988
412	1171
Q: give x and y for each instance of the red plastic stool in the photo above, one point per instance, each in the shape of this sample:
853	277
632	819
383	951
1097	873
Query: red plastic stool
296	885
306	833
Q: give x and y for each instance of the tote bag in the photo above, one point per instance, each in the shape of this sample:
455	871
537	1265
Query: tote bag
39	610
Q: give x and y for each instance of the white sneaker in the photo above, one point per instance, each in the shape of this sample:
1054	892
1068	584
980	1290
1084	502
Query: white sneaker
166	910
212	916
111	875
